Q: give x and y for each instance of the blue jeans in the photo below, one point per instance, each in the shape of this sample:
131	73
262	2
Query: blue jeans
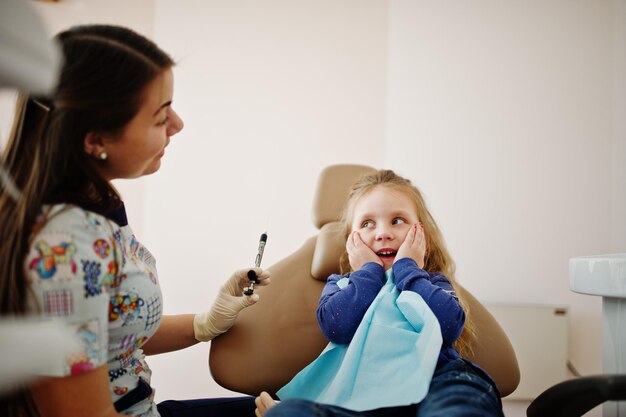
210	407
458	389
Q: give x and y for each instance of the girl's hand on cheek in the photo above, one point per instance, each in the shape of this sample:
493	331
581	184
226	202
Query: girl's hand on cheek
414	245
359	253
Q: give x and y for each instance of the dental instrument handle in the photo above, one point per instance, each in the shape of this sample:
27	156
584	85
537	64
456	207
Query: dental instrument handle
257	262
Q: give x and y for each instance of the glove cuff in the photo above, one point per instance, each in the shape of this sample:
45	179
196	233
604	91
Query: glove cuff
203	328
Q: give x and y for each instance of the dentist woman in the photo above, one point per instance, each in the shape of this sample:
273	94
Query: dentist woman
67	250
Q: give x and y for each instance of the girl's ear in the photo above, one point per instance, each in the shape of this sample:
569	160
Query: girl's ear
93	144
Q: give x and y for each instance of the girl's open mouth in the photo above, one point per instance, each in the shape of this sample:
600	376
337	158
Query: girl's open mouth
386	253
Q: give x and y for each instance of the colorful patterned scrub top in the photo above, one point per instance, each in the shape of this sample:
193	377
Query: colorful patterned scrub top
89	271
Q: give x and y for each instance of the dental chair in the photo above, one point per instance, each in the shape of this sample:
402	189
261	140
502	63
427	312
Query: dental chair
277	337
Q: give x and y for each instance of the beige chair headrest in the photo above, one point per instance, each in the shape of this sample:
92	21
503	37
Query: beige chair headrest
329	246
332	191
330	196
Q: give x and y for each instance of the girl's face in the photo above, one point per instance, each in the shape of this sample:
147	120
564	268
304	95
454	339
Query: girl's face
383	217
139	148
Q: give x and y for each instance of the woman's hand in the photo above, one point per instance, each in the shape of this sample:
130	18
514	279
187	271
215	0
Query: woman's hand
414	245
263	403
230	301
359	253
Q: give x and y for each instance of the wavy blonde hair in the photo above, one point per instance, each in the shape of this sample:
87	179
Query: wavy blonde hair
437	257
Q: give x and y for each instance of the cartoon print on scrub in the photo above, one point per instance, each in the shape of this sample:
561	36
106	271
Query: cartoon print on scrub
125	306
134	246
91	271
130	342
137	366
111	279
117	243
139	255
127	341
153	307
58	303
92	220
119	390
49	258
102	248
117	373
126	359
127	290
152	276
84	361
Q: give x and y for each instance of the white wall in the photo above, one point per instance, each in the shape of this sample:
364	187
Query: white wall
618	150
506	114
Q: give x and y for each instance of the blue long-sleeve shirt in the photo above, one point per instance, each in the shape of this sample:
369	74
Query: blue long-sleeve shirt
340	311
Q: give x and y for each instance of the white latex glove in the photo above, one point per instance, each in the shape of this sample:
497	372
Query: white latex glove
230	301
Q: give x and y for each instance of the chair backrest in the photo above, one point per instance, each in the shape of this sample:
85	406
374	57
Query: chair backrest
277	337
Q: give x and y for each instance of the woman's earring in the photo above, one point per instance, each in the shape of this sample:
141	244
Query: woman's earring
103	156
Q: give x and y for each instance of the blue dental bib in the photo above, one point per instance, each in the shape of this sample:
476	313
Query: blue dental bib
389	362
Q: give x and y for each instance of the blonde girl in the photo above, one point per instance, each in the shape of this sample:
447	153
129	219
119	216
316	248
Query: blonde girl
388	226
436	257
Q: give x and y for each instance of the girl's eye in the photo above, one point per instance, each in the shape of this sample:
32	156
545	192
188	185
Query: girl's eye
366	224
398	220
163	122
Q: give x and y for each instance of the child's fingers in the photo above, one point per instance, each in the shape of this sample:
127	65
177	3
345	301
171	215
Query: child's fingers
421	236
419	243
354	243
419	232
350	242
423	233
357	242
408	238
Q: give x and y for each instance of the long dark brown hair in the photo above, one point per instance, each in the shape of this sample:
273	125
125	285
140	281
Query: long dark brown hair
437	257
100	89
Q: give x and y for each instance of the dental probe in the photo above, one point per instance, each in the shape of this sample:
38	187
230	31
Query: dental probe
257	262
